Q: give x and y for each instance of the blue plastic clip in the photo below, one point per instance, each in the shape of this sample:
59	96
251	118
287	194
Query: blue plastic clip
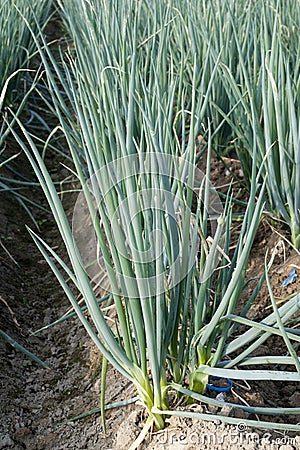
290	279
220	389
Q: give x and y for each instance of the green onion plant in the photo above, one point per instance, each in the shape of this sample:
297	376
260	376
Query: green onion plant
130	119
265	100
17	51
17	46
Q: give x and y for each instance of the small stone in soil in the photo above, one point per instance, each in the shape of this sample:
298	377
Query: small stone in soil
294	399
226	411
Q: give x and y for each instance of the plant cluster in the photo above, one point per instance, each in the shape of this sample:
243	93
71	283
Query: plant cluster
139	83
